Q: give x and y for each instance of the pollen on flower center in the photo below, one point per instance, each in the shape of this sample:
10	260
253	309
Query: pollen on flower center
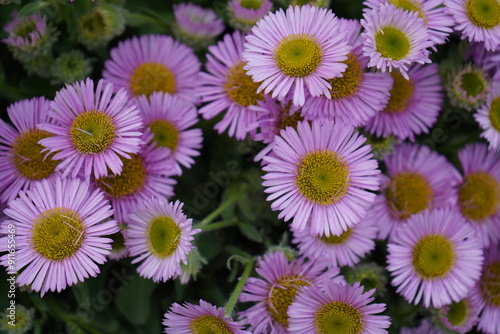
392	43
26	156
208	324
152	77
483	13
348	84
494	113
408	193
336	239
251	4
338	318
286	119
92	132
164	236
433	256
400	94
57	233
479	196
490	284
282	295
165	134
323	177
129	182
298	55
410	5
240	87
458	312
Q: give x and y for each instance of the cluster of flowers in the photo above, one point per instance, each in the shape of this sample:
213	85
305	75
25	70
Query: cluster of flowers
300	81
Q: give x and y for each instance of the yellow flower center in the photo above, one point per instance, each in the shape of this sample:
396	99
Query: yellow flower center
286	119
240	87
494	113
323	177
208	324
473	83
164	236
490	284
165	134
337	239
392	43
251	4
400	94
282	295
57	233
408	193
298	55
410	5
130	182
338	318
479	196
483	13
92	132
25	155
152	77
458	312
348	84
433	256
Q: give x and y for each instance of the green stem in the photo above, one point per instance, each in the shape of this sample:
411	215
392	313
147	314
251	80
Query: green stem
208	219
217	225
239	287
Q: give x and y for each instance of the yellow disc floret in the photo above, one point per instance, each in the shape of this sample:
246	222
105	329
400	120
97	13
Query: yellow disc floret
338	318
400	94
479	196
282	295
348	84
392	43
483	13
433	256
298	55
240	87
208	324
152	77
130	182
408	193
92	132
165	134
164	236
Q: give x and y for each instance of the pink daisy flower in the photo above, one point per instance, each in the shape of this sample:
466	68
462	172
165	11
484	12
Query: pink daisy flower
276	290
169	119
346	249
433	12
243	14
479	193
92	129
435	257
21	160
418	179
477	20
488	117
153	63
302	47
356	95
336	308
425	327
145	175
468	87
414	104
60	229
488	291
461	316
159	237
395	38
195	25
204	318
321	175
227	88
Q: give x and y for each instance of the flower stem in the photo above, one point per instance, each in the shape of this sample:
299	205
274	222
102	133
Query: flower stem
239	287
217	225
208	219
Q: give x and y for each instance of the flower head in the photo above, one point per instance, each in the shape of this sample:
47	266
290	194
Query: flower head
413	106
302	47
321	175
227	88
468	88
477	20
243	14
479	193
281	280
336	308
71	66
61	226
92	129
436	257
21	160
488	291
488	117
199	319
461	316
159	238
153	63
395	38
100	24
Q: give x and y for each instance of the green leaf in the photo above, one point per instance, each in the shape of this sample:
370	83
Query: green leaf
81	292
134	301
250	232
33	8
